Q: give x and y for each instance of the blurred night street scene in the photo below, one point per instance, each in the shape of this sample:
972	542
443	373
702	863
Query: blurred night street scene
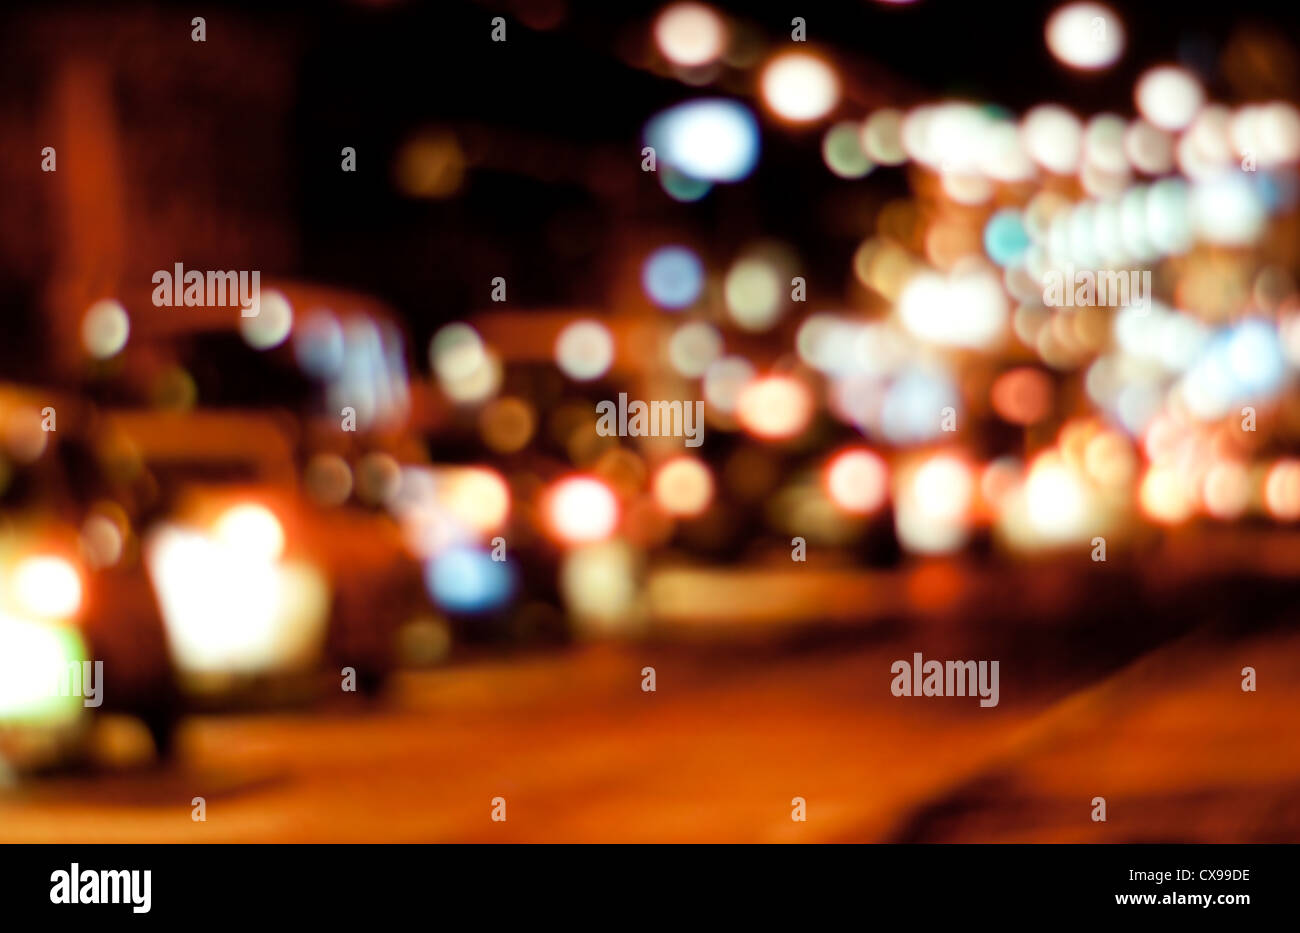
678	421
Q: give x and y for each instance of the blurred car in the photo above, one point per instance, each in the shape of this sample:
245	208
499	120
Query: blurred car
75	602
260	586
298	411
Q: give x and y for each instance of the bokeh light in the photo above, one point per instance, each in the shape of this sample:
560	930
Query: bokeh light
581	509
507	424
104	329
693	347
966	309
318	344
466	369
30	654
842	151
882	137
1165	495
468	580
252	531
1022	395
1282	490
690	34
102	540
271	325
600	588
725	379
754	293
584	350
774	407
933	498
799	87
1087	36
1053	137
477	497
47	587
708	139
328	479
673	277
683	486
1056	500
1005	238
430	165
1169	97
857	480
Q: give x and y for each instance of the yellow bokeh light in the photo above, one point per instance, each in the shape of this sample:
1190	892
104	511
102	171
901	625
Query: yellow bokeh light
774	407
1282	490
1165	496
477	496
683	486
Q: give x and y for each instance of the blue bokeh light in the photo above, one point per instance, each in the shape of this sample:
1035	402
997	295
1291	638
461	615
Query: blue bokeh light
912	409
712	139
469	580
1005	238
673	277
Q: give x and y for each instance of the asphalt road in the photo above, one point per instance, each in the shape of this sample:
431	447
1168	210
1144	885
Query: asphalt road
720	749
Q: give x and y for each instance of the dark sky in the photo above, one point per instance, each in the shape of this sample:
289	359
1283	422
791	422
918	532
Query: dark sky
554	200
372	75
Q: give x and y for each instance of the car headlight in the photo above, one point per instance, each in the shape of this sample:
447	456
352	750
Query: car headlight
252	530
47	587
32	657
228	603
